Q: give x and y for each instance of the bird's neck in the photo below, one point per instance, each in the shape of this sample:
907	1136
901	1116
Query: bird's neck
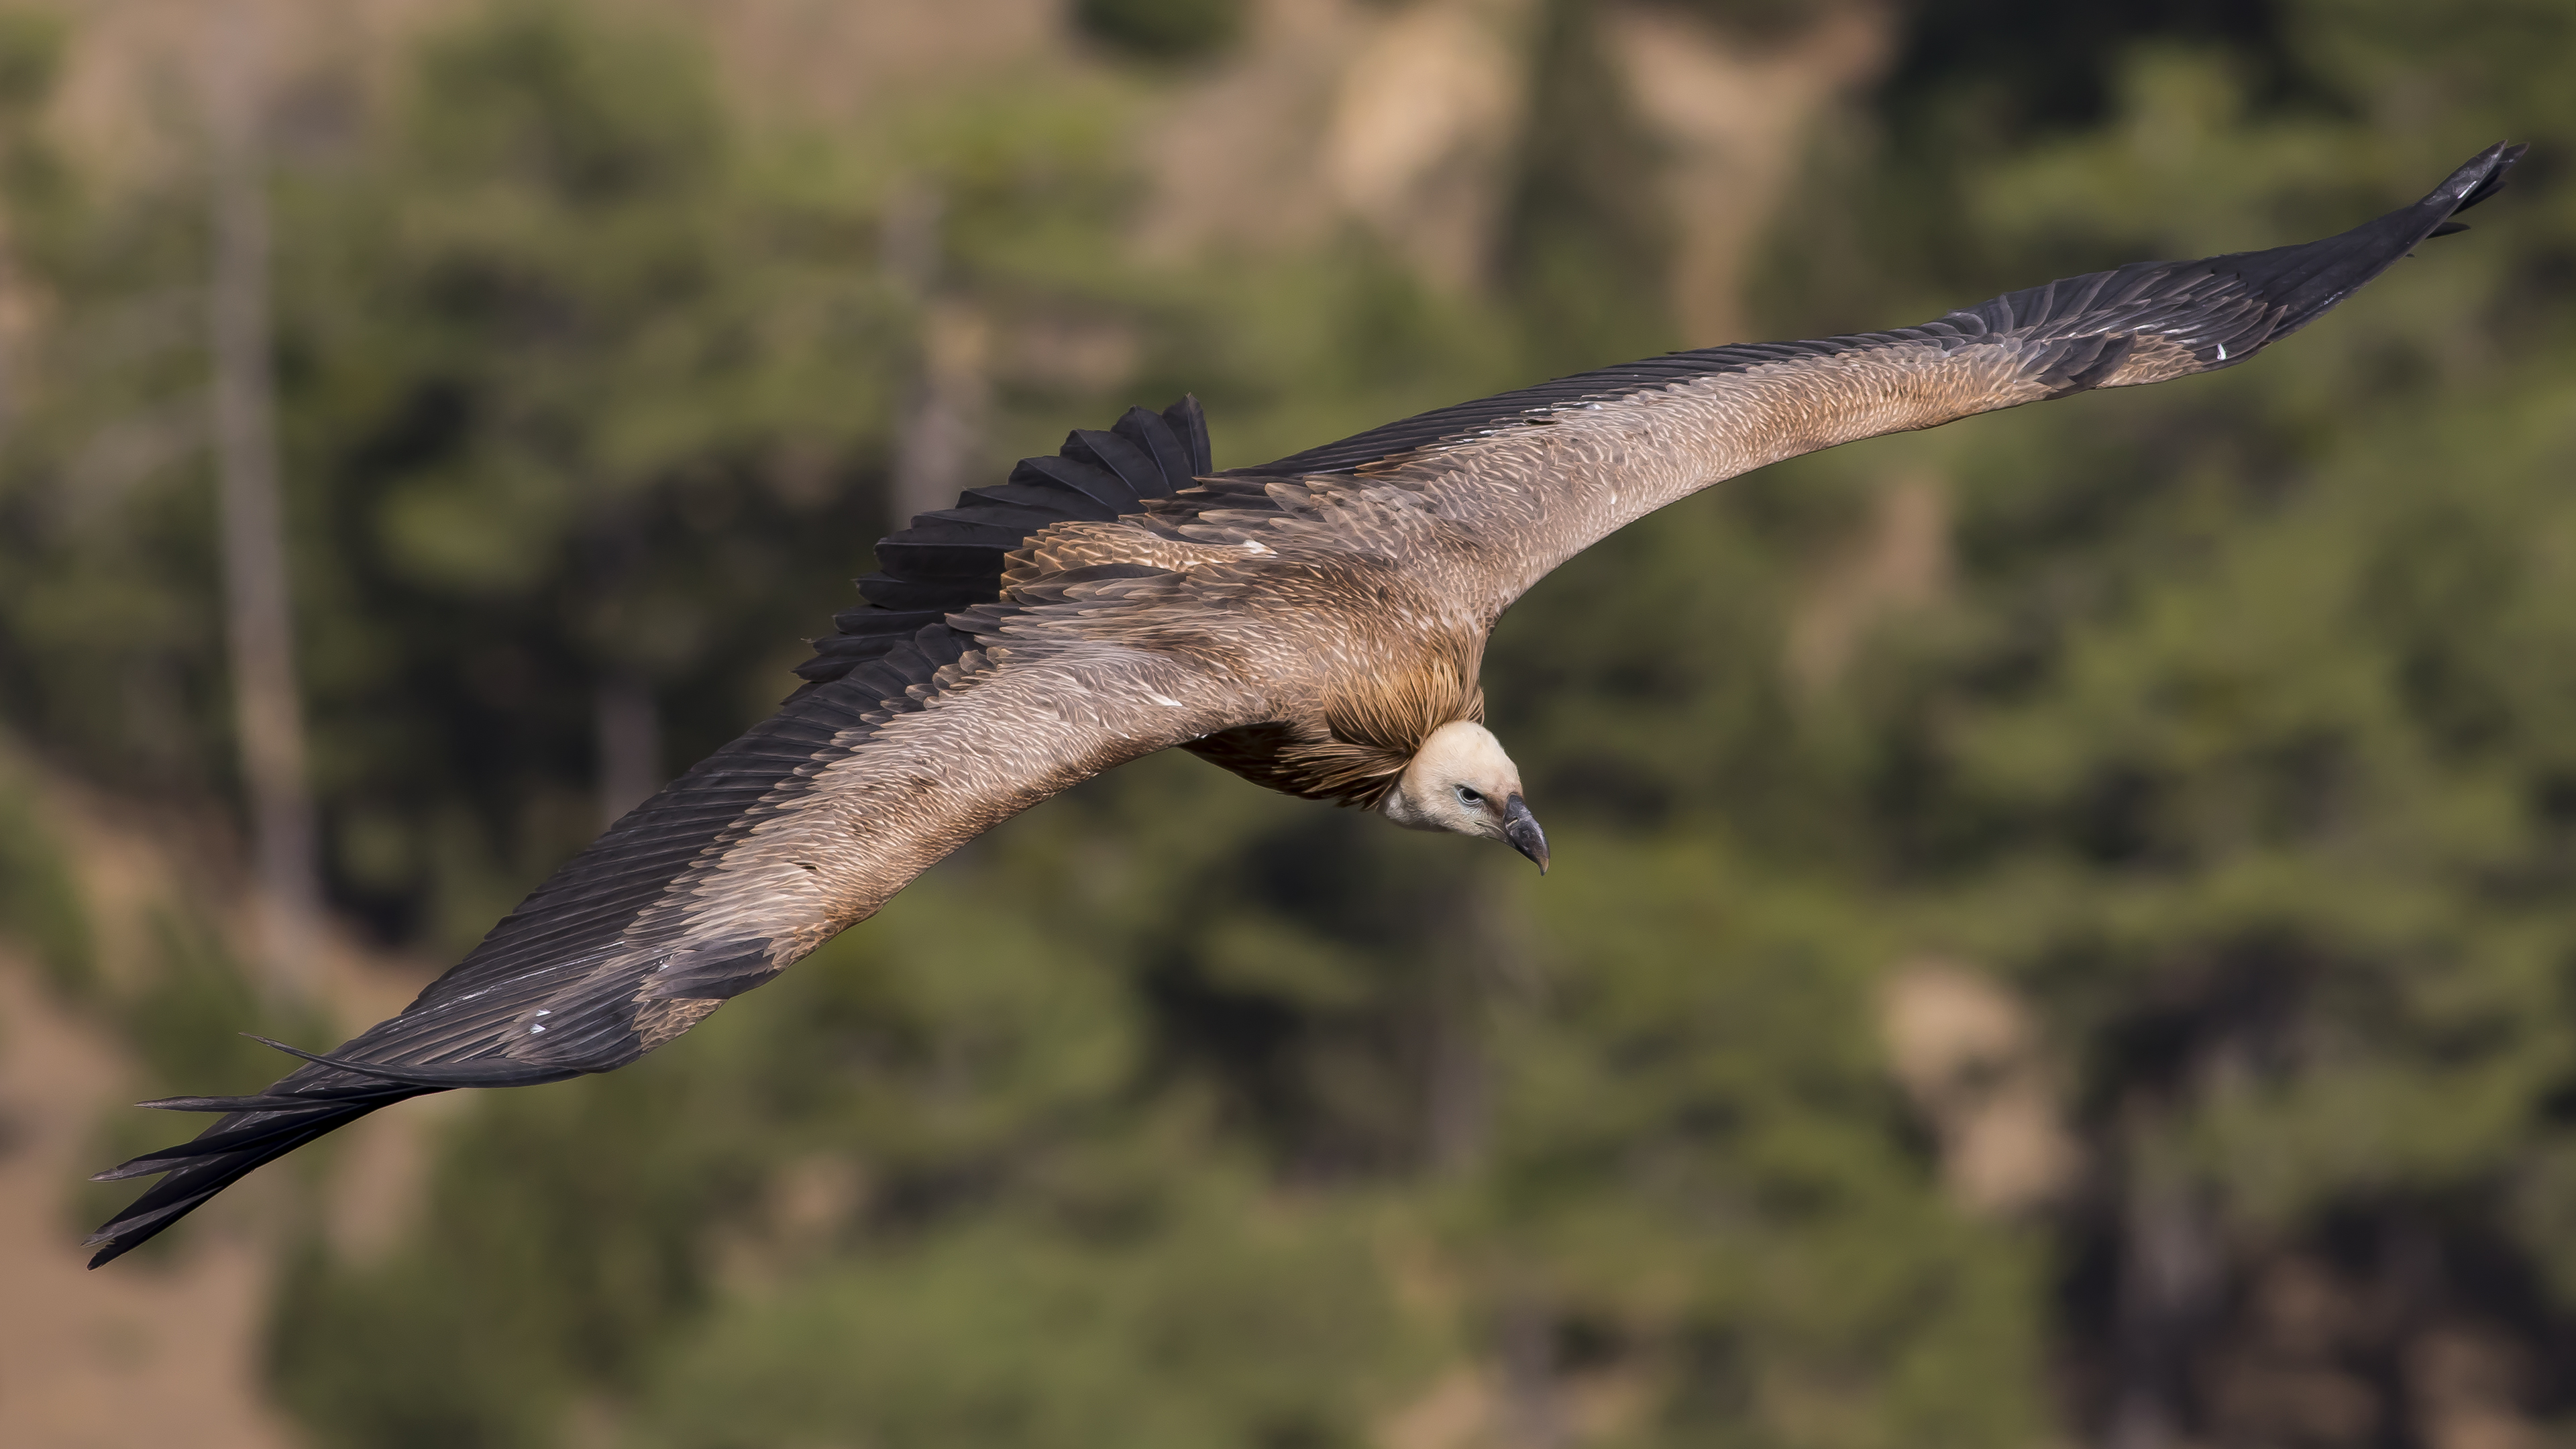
1351	746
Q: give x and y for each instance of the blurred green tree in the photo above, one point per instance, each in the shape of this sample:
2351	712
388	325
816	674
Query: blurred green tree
2237	745
574	376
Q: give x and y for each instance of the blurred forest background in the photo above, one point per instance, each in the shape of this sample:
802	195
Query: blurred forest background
2063	929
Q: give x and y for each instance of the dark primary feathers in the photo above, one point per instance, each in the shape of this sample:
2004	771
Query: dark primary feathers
1301	623
953	559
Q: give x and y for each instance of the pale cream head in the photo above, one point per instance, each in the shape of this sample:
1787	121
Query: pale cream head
1462	782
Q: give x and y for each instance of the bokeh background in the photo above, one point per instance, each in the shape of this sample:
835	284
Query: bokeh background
2062	933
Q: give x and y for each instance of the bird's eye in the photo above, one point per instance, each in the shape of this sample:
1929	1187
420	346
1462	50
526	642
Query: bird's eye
1469	798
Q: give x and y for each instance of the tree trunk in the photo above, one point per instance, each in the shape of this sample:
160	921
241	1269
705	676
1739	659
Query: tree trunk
1457	1095
940	435
2170	1275
1532	1415
258	621
630	743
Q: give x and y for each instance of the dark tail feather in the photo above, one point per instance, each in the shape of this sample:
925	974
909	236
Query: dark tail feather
275	1124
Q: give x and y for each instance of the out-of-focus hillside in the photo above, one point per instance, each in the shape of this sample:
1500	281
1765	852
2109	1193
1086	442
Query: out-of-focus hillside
2059	927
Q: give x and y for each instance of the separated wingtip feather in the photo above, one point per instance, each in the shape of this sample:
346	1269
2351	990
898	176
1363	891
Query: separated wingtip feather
259	1103
216	1158
127	1232
1189	419
135	1167
2482	177
439	1078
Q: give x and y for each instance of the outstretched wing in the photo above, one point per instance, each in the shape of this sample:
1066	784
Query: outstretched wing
807	824
1486	497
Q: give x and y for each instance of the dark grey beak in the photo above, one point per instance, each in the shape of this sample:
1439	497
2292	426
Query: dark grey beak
1520	827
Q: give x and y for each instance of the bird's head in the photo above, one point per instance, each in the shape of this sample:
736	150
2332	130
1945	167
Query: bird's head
1461	781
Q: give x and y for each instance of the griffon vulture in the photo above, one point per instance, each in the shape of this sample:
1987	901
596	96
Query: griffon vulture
1314	625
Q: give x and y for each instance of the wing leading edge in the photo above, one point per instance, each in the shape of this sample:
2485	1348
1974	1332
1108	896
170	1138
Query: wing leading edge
2078	333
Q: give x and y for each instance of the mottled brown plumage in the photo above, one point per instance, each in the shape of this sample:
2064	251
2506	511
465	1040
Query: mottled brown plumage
1308	624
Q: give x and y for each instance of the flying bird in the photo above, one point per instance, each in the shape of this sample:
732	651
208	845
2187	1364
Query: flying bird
1314	624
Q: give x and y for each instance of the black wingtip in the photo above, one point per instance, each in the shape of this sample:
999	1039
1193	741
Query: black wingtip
2482	177
2302	283
196	1170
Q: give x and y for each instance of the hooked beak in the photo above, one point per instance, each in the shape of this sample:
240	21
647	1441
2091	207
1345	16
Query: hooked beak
1520	827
